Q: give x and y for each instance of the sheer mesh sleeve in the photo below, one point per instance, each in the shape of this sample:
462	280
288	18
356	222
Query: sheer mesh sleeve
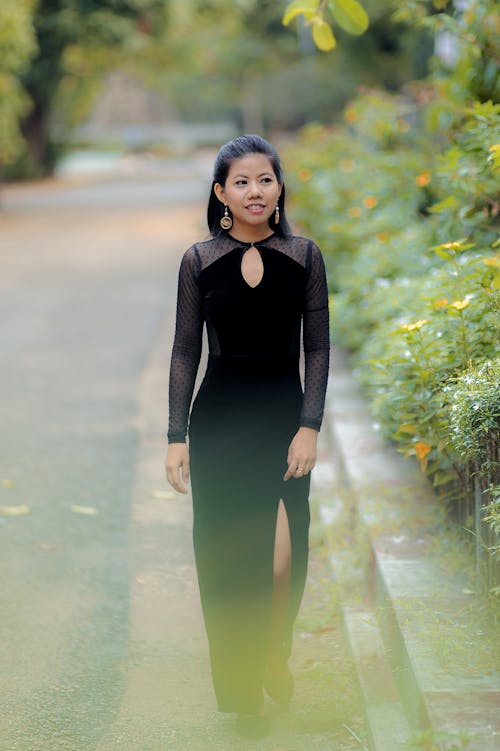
186	350
316	338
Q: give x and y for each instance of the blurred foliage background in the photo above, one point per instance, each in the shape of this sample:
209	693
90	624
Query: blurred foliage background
211	61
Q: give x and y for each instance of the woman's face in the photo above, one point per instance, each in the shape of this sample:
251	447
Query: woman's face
251	191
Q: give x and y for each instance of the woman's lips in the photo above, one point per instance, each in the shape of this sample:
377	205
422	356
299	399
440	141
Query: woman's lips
255	208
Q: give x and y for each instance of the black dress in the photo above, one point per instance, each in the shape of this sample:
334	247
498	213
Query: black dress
243	418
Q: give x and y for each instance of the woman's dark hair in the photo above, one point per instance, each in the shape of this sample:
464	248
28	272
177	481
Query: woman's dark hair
235	149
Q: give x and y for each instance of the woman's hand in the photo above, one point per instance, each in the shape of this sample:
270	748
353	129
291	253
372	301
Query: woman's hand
177	466
301	453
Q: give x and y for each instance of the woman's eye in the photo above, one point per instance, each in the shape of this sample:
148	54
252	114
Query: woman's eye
267	180
241	182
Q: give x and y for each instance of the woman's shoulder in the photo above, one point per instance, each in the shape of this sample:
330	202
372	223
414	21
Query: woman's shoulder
301	249
307	241
204	252
297	241
201	246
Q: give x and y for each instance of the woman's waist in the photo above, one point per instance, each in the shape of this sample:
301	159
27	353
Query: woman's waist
264	364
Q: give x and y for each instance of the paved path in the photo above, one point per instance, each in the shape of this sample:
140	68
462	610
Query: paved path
102	643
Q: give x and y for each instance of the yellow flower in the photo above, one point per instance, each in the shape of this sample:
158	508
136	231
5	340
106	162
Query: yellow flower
414	326
351	115
304	174
423	178
493	261
370	202
451	246
459	304
422	449
383	236
354	212
441	303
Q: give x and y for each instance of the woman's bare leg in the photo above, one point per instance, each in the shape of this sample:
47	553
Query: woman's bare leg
281	587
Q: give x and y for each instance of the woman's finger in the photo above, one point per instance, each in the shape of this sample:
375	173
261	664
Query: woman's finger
174	480
288	473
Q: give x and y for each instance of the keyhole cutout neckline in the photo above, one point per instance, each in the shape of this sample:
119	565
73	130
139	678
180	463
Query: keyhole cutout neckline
254	268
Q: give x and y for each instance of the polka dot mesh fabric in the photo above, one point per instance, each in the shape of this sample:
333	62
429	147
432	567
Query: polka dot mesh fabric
190	320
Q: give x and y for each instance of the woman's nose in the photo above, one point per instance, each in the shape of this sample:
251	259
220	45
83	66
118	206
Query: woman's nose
254	188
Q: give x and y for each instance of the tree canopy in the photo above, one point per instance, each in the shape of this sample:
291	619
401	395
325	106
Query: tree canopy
212	61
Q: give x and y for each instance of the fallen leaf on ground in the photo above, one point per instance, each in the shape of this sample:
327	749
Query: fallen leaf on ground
8	483
88	510
322	629
166	495
46	546
14	510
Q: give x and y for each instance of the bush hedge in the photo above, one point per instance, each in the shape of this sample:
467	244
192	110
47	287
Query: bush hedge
403	197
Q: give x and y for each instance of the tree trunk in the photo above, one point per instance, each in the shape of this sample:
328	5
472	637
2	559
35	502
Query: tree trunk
36	132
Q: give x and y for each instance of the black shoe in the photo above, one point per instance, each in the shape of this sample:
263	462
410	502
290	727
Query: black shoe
253	726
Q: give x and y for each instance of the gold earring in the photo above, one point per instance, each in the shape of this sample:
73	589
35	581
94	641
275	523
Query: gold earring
277	215
226	222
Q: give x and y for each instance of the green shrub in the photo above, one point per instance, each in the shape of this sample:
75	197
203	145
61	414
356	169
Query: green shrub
475	416
403	198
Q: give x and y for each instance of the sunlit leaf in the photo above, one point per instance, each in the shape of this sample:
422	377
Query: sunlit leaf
8	483
448	203
88	510
323	35
14	510
443	254
350	15
307	8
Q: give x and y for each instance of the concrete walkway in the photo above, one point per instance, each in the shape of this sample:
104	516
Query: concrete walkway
425	640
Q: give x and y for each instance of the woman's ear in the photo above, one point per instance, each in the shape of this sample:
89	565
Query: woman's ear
219	192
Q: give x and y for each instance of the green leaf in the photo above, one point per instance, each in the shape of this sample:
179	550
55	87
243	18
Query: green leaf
307	8
323	35
448	203
443	254
350	15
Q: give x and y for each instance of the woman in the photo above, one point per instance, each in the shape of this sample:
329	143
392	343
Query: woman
252	430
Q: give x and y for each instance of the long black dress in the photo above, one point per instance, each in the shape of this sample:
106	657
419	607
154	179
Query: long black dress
243	418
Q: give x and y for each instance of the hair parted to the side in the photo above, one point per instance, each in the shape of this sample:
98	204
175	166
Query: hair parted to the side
228	153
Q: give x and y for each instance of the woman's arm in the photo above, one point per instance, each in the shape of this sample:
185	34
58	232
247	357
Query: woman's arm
184	364
316	340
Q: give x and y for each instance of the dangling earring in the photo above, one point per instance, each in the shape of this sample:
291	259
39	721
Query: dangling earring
277	215
226	222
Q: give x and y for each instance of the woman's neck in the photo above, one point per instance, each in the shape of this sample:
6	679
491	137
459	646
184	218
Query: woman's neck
250	234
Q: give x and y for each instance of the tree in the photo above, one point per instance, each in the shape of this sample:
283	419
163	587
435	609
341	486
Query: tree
106	29
241	64
17	46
